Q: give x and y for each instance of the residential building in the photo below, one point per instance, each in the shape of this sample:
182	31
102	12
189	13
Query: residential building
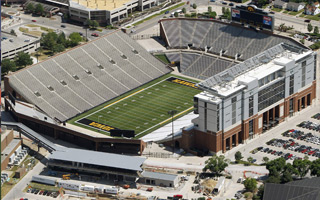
312	9
292	6
280	4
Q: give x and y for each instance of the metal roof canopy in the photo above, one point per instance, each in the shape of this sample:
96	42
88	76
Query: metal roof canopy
159	176
99	158
247	65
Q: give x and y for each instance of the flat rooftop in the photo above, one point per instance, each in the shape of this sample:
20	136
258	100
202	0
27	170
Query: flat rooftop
16	42
99	158
100	4
159	176
10	147
4	134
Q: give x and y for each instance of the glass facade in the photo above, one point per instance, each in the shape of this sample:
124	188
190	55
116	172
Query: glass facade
250	106
234	109
291	86
271	94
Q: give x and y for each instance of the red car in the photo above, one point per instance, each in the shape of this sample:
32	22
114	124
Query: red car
34	20
95	34
178	196
273	152
289	156
311	152
304	151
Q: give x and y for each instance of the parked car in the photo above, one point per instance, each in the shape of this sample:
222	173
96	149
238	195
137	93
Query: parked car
95	34
34	20
63	26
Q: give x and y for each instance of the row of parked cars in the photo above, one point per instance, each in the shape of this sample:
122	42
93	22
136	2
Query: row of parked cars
295	146
43	192
278	153
300	135
316	116
310	125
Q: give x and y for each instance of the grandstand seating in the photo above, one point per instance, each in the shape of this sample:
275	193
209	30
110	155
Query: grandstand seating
219	36
84	77
198	65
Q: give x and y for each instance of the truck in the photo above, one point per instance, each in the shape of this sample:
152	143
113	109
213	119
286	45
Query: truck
44	179
87	188
219	185
111	190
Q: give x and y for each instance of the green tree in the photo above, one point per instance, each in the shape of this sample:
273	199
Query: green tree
238	156
75	38
274	179
302	167
62	39
209	9
250	184
265	159
216	164
7	65
23	59
194	6
30	8
276	166
315	168
250	159
310	27
39	9
223	10
260	191
316	30
49	40
95	24
184	10
176	14
58	48
213	14
13	32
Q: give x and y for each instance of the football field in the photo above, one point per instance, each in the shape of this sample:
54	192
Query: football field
143	110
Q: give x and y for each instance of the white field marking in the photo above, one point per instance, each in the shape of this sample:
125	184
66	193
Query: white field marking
154	119
146	123
165	121
125	97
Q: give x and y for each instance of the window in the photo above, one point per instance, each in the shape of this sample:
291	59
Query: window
205	115
272	76
291	86
234	109
218	120
251	129
250	106
315	67
195	105
260	82
303	75
271	94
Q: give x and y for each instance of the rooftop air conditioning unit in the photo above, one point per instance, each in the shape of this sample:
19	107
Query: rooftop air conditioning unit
37	94
76	77
63	82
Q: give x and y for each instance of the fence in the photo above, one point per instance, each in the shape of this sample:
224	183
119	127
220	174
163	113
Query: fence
146	36
157	155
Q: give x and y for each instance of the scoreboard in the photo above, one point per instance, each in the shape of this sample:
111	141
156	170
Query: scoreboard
253	16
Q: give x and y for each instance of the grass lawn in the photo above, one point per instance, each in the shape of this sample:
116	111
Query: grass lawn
41	27
144	109
163	58
302	15
276	9
162	12
313	17
295	13
40	186
285	11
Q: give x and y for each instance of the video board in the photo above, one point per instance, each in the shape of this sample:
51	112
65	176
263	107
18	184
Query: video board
252	16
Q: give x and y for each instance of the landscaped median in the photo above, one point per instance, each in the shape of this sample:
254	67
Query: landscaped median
160	13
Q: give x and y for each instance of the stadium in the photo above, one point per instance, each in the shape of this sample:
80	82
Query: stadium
114	84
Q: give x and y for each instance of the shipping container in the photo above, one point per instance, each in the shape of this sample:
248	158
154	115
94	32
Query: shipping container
44	179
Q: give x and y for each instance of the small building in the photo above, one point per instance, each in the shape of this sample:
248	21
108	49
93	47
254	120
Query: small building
280	4
292	6
159	179
20	172
312	9
10	148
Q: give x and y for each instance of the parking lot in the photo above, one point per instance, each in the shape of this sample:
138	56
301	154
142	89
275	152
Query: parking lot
286	140
40	193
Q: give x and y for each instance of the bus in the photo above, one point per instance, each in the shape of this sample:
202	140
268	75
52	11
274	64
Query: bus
219	185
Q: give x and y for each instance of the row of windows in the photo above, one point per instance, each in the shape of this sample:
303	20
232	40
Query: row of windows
250	106
270	78
291	84
234	109
271	95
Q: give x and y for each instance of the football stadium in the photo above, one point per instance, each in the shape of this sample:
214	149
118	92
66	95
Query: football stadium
112	83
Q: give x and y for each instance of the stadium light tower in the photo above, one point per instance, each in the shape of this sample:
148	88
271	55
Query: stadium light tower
99	122
172	113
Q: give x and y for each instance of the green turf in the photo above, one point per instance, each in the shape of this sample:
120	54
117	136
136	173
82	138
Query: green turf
144	110
163	58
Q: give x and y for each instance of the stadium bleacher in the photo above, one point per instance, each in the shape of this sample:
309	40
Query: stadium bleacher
198	65
86	76
219	36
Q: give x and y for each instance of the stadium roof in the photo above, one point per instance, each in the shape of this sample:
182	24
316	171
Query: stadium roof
159	176
99	158
307	189
86	76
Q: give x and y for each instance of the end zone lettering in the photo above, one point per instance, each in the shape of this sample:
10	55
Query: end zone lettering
182	82
96	125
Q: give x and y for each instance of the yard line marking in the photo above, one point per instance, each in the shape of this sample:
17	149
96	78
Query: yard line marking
123	98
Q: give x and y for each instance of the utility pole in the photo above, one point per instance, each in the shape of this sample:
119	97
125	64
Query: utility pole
172	113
